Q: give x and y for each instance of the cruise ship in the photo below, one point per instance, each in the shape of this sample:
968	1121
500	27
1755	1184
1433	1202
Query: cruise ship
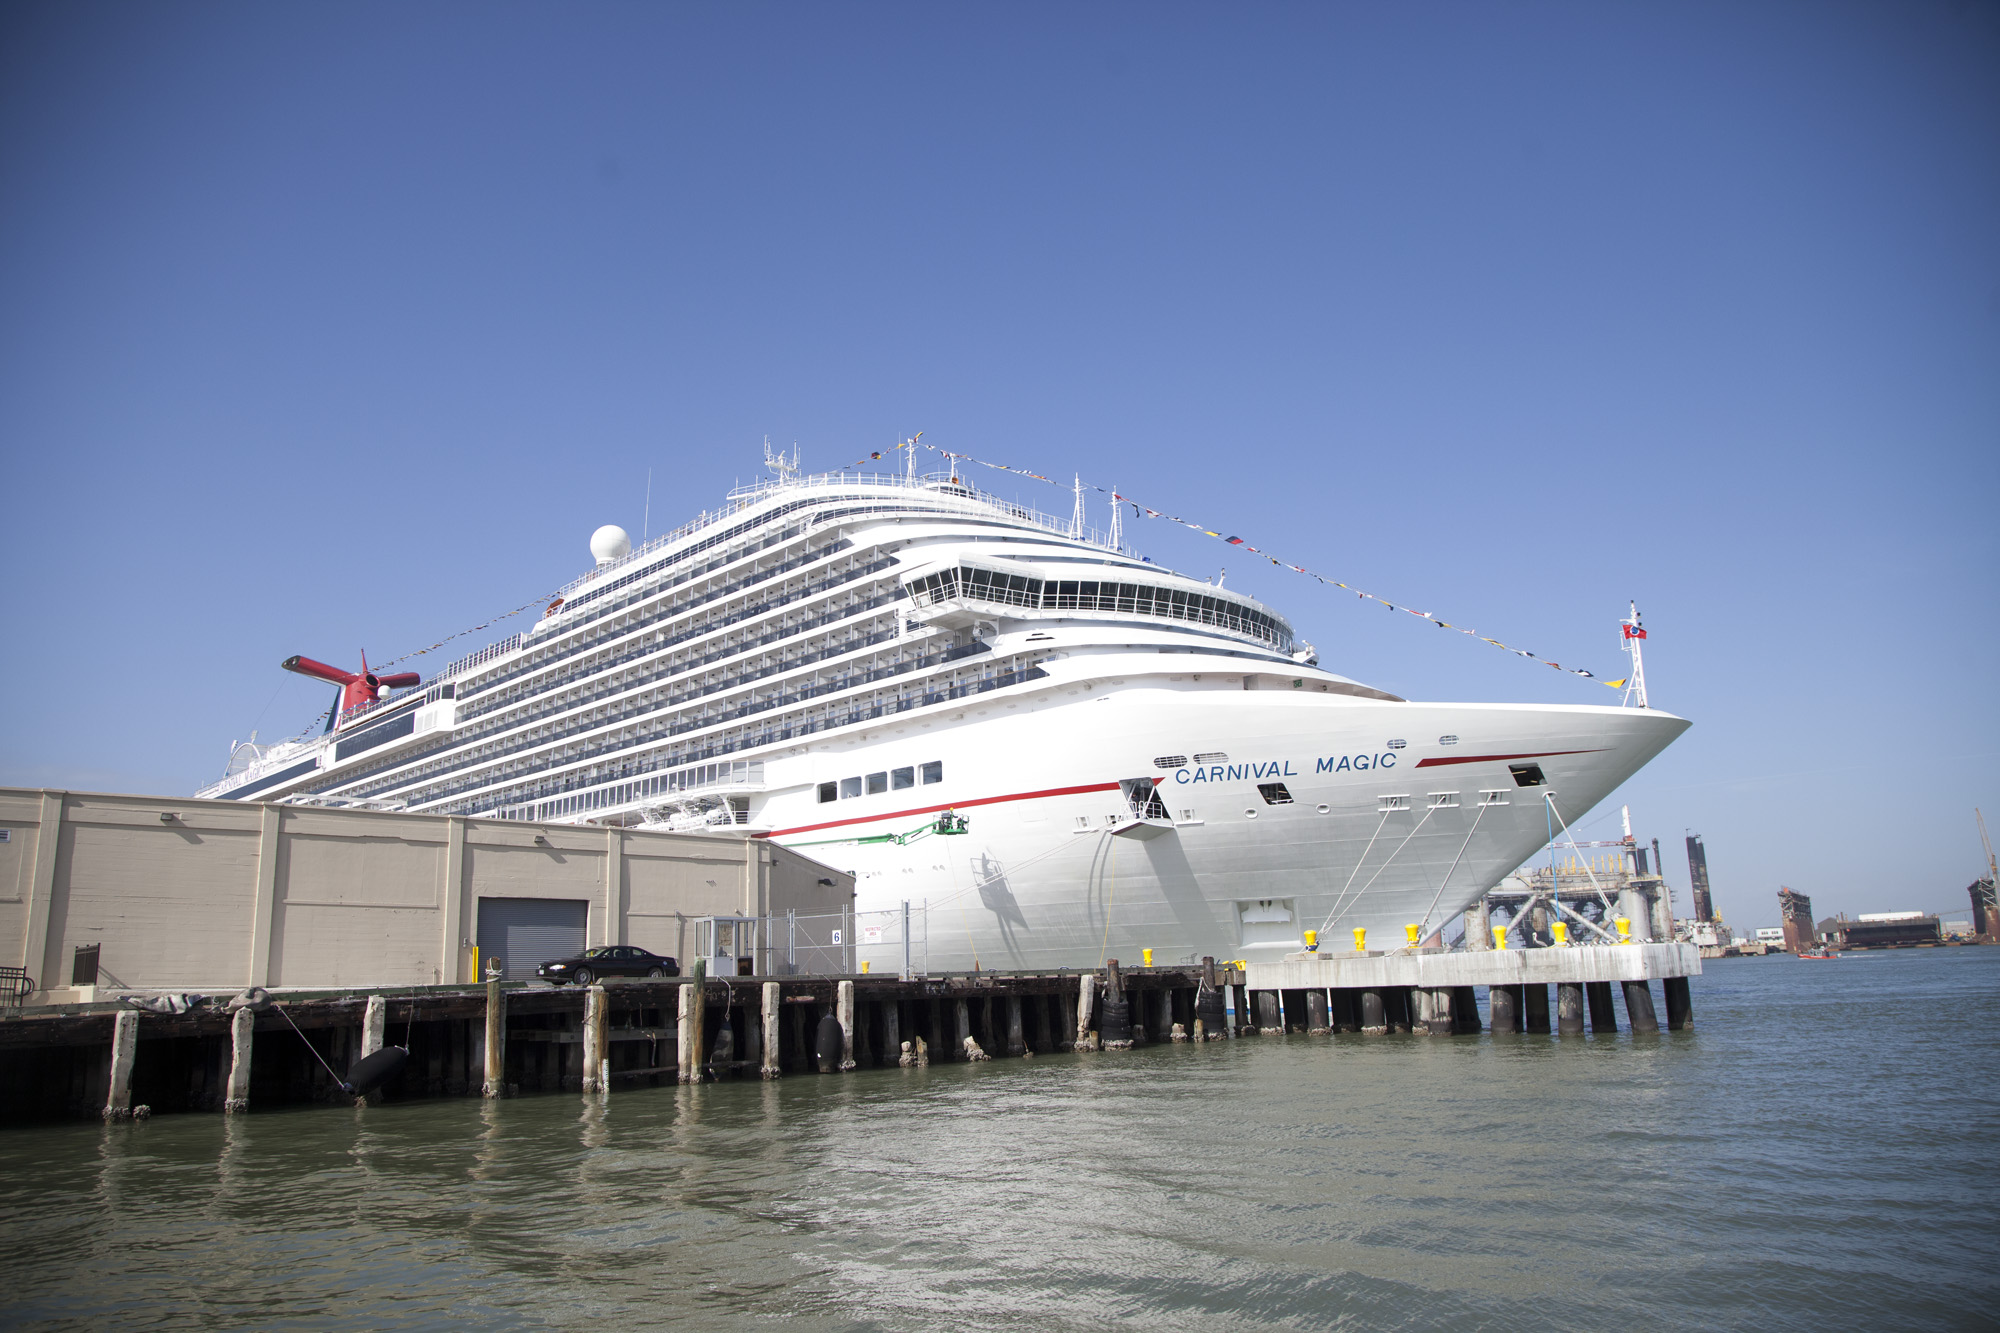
1053	748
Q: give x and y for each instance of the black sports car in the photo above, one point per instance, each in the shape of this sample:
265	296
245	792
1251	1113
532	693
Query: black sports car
612	960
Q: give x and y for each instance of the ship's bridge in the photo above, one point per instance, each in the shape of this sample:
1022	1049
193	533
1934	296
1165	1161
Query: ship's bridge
967	587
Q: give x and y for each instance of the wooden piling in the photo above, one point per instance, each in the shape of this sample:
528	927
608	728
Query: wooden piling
495	1084
1680	1004
1535	1008
1270	1022
687	1038
374	1025
773	1066
1374	1013
124	1048
1114	1018
1086	1005
1603	1014
843	1005
596	1031
1569	1008
242	1036
1639	1009
1442	1024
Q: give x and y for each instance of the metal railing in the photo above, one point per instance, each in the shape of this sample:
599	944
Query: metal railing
890	942
484	655
15	986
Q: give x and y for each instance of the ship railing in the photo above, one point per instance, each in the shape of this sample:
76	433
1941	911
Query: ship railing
480	658
274	758
932	483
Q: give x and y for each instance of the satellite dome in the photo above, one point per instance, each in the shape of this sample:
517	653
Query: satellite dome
610	543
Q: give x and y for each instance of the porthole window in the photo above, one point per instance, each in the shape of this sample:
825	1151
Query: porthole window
1325	809
900	778
850	788
878	783
1249	814
1397	745
933	771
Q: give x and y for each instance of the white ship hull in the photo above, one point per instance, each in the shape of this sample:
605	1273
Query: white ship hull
1055	870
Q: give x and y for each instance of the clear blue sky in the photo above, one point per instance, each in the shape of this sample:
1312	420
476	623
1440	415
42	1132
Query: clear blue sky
336	327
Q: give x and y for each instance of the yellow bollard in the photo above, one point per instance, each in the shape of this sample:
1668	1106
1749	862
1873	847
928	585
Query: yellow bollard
1561	932
1411	931
864	964
1499	937
1360	940
1149	956
1624	924
1312	941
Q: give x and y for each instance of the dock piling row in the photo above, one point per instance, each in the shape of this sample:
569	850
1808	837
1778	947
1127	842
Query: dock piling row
497	1039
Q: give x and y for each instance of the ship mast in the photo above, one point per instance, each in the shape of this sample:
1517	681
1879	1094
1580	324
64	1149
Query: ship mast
1635	685
1117	523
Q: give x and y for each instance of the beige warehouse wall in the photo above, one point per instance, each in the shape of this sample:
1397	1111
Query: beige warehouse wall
228	893
667	887
355	901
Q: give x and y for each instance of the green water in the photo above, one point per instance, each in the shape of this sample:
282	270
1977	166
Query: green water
1823	1151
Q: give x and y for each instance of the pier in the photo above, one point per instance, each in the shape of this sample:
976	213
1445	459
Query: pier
262	1051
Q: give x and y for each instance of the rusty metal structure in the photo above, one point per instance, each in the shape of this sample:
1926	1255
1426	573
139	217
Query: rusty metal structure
1985	908
1704	905
1795	912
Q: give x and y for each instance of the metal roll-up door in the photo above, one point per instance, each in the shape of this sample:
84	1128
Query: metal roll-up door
524	933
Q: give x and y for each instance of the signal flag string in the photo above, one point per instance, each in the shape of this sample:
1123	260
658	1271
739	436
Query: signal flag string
1237	542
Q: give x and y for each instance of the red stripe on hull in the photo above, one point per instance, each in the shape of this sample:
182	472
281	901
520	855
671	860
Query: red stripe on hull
933	809
1496	758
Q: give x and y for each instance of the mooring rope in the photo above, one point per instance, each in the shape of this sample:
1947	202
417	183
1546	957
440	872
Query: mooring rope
1339	898
309	1046
1439	895
1390	860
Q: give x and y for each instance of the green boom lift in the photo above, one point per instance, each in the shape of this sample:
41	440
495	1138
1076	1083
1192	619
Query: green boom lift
946	825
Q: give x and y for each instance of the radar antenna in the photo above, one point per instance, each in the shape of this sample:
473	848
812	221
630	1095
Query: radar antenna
781	467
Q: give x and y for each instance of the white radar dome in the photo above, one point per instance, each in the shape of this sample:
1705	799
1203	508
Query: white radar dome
609	543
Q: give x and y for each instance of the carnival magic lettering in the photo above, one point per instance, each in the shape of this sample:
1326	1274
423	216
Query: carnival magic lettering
1281	768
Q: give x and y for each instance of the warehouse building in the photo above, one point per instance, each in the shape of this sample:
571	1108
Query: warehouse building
165	893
